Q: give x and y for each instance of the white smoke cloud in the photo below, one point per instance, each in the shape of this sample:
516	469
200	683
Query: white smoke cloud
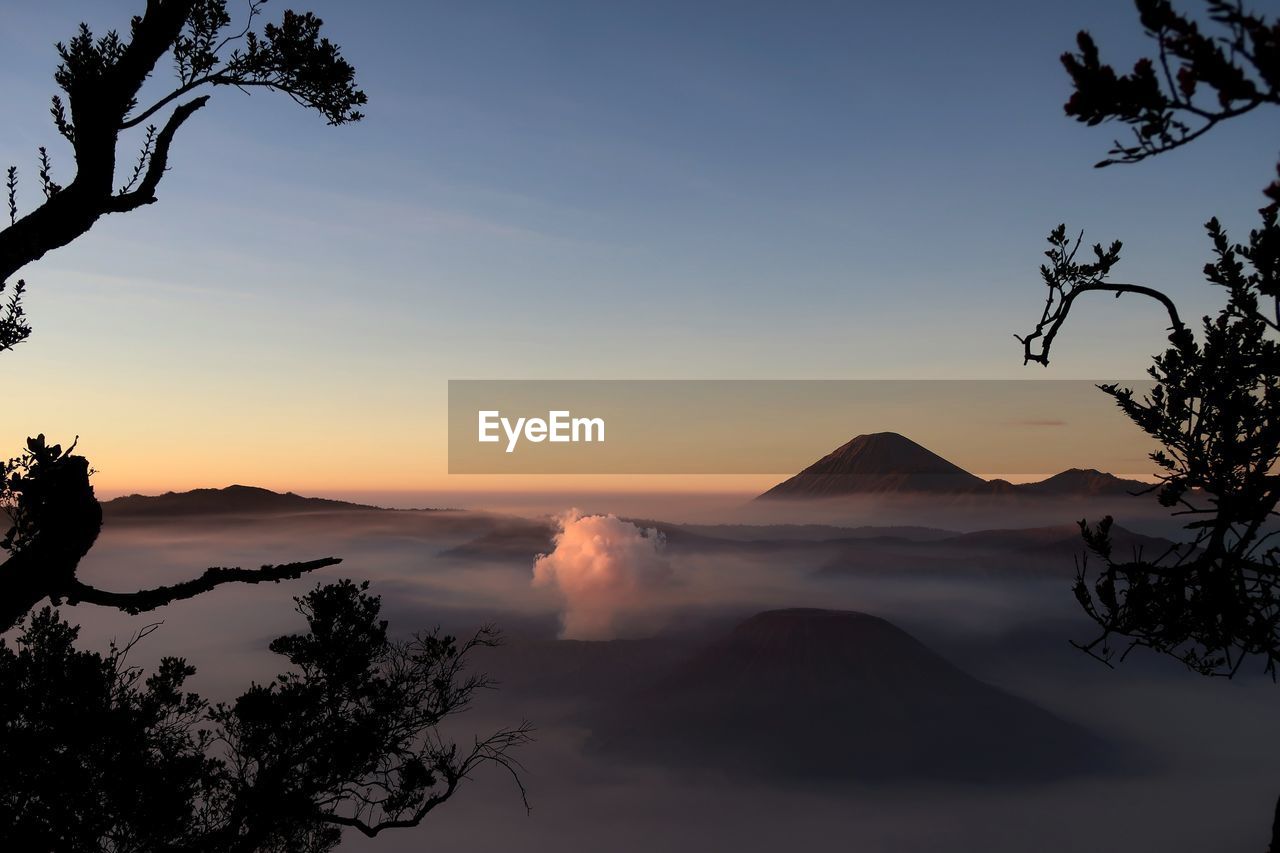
605	569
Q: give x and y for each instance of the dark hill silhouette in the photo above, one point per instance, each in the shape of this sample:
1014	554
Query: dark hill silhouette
250	500
1084	481
822	694
1043	551
886	462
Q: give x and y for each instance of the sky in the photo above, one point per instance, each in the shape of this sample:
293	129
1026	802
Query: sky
560	190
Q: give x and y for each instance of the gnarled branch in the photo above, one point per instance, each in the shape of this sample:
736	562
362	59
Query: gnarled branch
150	599
102	77
1066	279
1056	311
158	161
495	749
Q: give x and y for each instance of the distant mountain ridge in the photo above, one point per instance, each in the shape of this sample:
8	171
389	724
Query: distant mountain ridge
886	463
1083	481
234	499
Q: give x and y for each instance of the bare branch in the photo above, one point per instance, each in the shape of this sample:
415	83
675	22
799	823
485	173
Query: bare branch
1056	314
495	749
165	101
1066	278
150	599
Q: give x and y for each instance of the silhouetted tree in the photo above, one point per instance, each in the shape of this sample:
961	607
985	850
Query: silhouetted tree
1215	600
101	79
1212	602
47	490
97	757
93	756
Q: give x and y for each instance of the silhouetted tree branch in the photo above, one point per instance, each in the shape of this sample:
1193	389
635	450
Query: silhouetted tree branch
157	160
150	599
101	79
55	521
1195	82
1066	280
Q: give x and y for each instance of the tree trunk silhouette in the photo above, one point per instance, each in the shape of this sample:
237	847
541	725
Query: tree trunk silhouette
45	565
99	105
1274	847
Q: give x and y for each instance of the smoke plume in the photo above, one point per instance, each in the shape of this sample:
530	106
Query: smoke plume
605	569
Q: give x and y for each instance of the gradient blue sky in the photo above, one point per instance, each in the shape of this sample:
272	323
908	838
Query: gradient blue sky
590	189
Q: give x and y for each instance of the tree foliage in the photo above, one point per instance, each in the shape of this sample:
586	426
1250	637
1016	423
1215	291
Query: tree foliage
98	756
1196	80
101	79
1213	601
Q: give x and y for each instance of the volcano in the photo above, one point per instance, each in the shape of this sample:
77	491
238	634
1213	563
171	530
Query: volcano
879	462
823	694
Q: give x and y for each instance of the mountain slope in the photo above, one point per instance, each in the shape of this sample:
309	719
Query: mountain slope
824	694
879	462
1083	481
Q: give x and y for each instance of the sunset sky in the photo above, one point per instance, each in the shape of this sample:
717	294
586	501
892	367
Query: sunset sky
588	190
